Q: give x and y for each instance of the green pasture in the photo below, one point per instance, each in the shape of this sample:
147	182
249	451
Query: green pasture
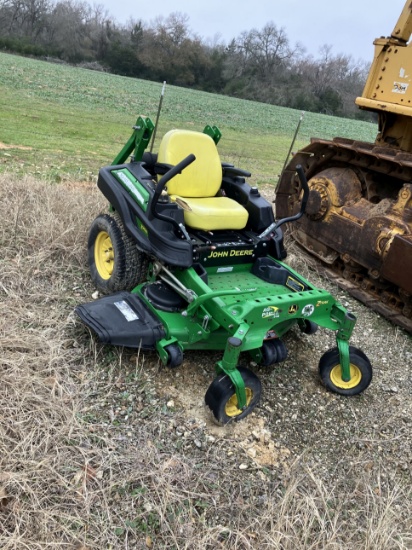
60	122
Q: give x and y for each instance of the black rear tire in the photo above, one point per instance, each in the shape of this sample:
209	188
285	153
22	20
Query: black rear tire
115	262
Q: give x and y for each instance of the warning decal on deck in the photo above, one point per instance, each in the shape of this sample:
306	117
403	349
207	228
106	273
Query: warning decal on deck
126	311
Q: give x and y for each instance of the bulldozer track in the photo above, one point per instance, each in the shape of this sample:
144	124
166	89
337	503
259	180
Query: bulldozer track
368	160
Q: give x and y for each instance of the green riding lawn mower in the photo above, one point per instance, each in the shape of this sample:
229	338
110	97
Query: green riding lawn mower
190	257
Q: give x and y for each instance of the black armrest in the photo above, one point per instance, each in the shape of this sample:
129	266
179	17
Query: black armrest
161	168
231	171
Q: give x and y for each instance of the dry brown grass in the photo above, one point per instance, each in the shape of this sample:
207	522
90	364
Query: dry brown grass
72	476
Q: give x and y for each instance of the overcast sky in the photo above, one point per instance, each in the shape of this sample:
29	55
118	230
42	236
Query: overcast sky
349	27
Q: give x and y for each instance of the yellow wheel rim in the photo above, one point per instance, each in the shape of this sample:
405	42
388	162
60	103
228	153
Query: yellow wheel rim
231	408
104	255
355	377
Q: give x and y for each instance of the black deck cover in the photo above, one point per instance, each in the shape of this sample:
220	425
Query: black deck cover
122	319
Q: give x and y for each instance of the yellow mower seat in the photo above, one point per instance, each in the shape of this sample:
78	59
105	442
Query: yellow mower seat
195	189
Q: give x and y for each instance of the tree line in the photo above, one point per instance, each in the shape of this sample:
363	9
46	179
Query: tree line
258	64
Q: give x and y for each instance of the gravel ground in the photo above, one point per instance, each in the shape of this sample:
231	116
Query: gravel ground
354	452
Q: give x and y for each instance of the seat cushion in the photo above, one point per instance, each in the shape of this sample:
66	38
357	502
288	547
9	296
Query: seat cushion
203	177
212	213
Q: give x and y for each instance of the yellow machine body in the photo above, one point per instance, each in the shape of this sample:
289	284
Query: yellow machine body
358	221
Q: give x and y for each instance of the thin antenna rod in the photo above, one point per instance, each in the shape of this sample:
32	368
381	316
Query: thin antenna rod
158	114
291	145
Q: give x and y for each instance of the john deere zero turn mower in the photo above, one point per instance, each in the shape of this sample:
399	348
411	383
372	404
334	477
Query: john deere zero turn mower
189	257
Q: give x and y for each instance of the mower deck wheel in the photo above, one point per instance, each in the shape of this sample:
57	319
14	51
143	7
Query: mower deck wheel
175	356
273	351
308	327
222	400
360	372
114	261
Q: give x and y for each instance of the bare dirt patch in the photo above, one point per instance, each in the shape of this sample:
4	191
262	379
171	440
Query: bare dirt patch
102	448
4	146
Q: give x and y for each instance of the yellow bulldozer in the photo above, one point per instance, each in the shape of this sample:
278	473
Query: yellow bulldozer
358	220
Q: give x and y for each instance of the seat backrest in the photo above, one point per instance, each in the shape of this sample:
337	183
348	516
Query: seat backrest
203	177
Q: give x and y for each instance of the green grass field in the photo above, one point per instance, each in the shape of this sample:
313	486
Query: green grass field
60	122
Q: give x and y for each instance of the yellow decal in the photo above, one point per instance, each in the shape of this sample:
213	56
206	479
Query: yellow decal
270	311
231	253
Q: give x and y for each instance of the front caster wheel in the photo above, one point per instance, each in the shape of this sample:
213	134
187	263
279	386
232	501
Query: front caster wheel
360	372
222	400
